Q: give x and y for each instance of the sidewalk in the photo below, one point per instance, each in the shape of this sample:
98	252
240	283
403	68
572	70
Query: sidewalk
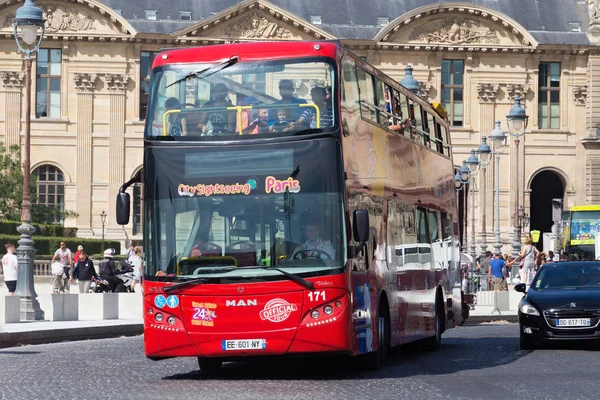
487	314
57	331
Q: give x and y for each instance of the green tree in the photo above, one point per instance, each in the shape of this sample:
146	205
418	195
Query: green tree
11	191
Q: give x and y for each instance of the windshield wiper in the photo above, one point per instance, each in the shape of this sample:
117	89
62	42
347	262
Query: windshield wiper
294	278
207	71
185	283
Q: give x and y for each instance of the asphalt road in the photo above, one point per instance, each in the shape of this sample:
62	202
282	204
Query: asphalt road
475	362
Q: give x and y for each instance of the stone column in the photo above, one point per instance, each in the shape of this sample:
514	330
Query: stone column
486	93
117	86
85	86
12	85
591	141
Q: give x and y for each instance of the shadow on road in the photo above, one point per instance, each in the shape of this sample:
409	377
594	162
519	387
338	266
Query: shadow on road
455	355
17	352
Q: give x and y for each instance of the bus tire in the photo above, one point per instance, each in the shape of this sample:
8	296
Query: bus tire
434	342
210	365
375	359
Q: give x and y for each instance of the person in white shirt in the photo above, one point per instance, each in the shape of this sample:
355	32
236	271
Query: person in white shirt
137	263
314	246
10	266
60	283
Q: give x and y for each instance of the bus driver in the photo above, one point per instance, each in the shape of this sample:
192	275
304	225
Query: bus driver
314	245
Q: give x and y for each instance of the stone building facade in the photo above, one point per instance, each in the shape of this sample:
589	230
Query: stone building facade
91	77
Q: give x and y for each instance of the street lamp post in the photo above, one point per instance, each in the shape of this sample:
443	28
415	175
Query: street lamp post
409	81
464	174
103	219
517	124
458	185
498	137
473	162
27	22
484	152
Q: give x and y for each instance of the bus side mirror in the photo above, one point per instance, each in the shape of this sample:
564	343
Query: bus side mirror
123	208
361	226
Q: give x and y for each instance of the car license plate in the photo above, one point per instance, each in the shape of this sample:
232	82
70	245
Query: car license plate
573	322
245	344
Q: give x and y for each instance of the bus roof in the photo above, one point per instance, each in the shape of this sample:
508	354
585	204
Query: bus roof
247	52
590	207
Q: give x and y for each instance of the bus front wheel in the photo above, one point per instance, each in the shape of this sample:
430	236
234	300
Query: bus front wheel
209	365
375	358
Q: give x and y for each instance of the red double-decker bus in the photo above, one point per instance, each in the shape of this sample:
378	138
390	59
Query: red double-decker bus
296	201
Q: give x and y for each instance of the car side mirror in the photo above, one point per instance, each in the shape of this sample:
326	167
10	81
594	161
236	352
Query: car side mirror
361	226
123	208
521	288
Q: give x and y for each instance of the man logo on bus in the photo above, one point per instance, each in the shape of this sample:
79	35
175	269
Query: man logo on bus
277	310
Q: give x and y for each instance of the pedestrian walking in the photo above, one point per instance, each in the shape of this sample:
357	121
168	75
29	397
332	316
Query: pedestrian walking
497	265
77	254
84	271
10	268
137	263
485	265
130	253
528	254
60	282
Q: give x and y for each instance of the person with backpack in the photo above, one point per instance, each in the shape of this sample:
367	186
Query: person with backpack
108	270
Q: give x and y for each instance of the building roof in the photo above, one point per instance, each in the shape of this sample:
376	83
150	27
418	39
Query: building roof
549	21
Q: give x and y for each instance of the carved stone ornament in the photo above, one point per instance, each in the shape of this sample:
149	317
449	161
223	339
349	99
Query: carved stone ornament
12	79
594	9
257	26
59	18
454	31
116	82
487	91
579	95
424	88
517	89
85	82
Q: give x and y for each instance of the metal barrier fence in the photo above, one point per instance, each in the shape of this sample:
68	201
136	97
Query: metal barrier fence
482	286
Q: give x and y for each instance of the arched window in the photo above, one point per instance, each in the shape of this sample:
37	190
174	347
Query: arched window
50	187
137	209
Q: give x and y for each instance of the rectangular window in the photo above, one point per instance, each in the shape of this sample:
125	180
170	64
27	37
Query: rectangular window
150	15
146	60
452	90
48	73
367	95
315	19
185	15
383	21
549	95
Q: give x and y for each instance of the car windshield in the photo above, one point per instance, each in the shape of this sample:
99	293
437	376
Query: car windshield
208	210
566	277
241	100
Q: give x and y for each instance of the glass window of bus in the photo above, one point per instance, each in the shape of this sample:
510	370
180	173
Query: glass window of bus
400	107
445	138
426	129
382	96
274	204
423	239
242	99
439	141
417	122
367	95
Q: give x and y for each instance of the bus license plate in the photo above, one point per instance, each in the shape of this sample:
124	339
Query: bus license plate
573	322
245	344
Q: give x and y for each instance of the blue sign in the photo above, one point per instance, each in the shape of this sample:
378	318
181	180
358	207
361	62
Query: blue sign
173	301
160	301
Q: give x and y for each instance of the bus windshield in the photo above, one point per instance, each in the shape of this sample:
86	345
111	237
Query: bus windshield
209	211
238	100
583	227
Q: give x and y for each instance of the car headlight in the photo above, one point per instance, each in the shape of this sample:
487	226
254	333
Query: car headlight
528	309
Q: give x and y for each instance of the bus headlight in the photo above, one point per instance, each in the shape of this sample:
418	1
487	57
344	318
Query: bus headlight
159	317
328	310
315	314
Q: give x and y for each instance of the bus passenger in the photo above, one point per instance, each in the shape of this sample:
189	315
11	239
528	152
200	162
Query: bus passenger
401	126
318	95
218	121
176	122
286	91
260	124
282	124
314	245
